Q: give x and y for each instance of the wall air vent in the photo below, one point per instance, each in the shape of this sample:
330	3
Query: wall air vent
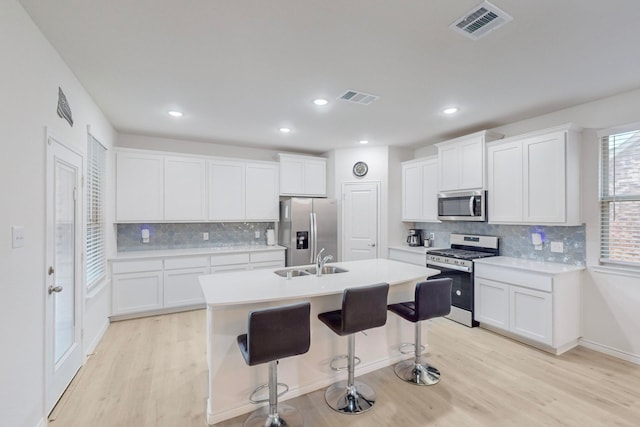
480	21
358	97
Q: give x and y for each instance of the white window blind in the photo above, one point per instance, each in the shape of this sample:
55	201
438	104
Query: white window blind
95	182
620	198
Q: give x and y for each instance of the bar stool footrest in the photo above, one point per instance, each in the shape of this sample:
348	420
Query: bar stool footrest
262	387
341	357
402	348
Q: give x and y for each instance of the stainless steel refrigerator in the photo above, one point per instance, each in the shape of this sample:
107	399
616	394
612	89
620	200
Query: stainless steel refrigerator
306	226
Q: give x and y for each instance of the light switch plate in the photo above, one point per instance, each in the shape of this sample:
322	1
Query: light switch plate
557	247
257	234
17	236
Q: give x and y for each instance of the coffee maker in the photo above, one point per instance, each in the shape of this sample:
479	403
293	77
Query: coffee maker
415	237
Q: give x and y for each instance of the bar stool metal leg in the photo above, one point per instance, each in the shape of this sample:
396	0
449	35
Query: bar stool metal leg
274	415
415	371
350	397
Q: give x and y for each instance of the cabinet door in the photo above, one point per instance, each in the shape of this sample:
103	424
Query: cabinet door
136	292
429	211
472	163
449	159
184	189
291	175
226	191
505	182
411	191
261	190
315	177
491	303
139	187
531	314
182	287
544	179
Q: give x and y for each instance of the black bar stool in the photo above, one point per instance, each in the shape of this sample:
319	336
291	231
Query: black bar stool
362	308
275	333
432	299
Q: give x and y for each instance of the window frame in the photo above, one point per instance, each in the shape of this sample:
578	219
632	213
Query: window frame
630	267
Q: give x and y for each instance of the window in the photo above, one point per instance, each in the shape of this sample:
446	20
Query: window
95	182
620	196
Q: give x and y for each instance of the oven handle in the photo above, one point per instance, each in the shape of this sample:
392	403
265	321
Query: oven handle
449	266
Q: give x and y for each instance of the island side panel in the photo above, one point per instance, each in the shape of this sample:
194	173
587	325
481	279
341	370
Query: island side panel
231	381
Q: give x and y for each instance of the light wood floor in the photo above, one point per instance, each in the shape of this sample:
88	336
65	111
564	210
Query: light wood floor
152	372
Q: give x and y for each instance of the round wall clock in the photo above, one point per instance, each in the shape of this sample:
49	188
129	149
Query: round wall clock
360	169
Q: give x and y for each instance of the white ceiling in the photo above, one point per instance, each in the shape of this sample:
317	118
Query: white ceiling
241	69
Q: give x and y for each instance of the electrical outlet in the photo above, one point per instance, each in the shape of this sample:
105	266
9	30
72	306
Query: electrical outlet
557	247
205	235
432	236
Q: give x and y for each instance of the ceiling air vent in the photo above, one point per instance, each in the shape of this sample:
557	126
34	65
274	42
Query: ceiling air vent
358	97
480	21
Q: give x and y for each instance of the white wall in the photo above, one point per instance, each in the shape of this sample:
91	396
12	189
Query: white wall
30	74
194	147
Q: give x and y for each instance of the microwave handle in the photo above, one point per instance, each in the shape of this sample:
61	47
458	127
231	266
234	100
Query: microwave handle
471	199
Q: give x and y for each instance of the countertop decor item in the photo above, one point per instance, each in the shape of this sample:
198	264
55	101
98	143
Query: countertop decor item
360	169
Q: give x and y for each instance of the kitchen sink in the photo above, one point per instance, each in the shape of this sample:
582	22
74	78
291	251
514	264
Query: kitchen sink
328	269
292	273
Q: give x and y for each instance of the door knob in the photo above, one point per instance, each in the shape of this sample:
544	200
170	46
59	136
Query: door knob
53	289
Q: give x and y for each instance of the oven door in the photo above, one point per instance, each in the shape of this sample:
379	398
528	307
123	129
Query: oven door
461	293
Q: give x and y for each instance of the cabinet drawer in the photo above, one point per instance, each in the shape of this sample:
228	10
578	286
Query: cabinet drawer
191	262
118	267
267	256
229	259
527	279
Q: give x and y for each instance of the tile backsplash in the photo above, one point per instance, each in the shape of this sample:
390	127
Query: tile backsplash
515	240
183	236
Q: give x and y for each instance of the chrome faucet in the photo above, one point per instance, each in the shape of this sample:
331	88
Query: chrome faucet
320	261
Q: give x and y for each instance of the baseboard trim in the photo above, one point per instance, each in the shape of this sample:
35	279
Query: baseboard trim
98	338
601	348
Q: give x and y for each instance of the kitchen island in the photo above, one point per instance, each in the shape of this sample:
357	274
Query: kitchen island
231	296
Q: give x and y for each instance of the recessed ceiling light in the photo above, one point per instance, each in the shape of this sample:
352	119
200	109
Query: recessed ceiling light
285	130
450	110
364	142
175	113
320	101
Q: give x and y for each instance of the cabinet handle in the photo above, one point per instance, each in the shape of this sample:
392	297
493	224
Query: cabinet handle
372	245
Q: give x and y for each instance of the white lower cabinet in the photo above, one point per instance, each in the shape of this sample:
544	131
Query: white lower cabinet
181	284
136	286
539	304
143	287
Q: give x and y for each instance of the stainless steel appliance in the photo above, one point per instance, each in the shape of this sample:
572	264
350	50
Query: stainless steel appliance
306	226
457	264
462	206
415	237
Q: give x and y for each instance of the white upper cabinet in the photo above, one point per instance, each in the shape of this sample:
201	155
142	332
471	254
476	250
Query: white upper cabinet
420	190
241	191
302	175
535	178
226	190
262	189
139	187
185	189
154	187
462	162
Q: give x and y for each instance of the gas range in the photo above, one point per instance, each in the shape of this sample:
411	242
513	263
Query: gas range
464	249
457	263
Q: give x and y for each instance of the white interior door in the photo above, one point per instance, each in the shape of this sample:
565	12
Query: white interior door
63	349
360	220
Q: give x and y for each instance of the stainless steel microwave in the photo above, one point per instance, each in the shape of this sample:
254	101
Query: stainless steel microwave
462	206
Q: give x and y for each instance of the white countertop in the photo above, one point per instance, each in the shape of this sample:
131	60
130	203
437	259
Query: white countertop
413	249
529	265
244	287
130	255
